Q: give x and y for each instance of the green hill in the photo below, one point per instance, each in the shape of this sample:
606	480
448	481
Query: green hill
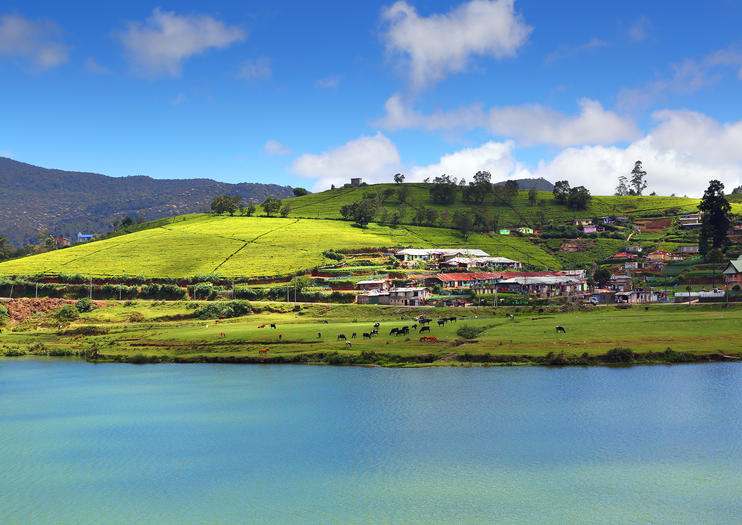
520	212
249	247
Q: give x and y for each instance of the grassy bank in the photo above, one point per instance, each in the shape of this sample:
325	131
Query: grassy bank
145	331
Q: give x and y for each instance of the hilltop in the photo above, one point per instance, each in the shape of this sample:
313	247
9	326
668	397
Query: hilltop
66	202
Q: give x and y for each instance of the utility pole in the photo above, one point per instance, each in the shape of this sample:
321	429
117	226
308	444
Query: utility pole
233	288
91	288
37	291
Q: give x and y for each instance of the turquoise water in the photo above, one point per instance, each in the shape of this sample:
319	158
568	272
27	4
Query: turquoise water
84	443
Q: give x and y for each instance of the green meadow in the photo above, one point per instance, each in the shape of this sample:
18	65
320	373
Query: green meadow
156	331
250	247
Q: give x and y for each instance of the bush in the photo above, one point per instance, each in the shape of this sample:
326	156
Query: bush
619	355
84	305
4	316
335	256
469	332
68	313
221	309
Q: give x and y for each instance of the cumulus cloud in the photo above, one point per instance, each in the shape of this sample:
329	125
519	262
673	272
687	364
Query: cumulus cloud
34	40
528	124
159	45
495	157
374	158
536	124
681	154
639	30
258	69
433	47
273	147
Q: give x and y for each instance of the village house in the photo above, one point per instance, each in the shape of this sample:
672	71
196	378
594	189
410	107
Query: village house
544	286
409	296
636	250
632	265
688	248
462	280
623	255
658	256
410	256
692	220
381	285
524	230
620	283
61	242
602	296
583	222
356	182
504	231
481	262
590	229
733	274
84	237
373	297
639	297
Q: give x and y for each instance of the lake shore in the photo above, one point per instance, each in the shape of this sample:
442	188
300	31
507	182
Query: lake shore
182	332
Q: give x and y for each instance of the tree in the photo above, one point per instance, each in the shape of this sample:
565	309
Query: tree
477	190
715	221
638	184
532	196
361	212
561	191
443	190
225	204
271	206
464	223
6	249
737	190
623	186
578	199
431	216
250	210
285	210
601	277
399	178
387	194
403	193
299	191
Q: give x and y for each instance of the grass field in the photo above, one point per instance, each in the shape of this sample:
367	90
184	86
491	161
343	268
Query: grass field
170	332
249	247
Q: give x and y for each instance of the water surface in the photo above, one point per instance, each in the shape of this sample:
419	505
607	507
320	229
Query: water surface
85	443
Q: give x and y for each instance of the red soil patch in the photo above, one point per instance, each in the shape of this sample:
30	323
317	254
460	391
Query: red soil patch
20	309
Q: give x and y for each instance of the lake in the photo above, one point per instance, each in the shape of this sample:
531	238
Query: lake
114	443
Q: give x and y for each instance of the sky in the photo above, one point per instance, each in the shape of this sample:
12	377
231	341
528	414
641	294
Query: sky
312	93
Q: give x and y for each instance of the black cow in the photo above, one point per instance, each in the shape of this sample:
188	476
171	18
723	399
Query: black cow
414	327
376	325
453	319
441	322
561	329
374	332
405	330
342	336
273	325
353	335
425	329
366	335
325	321
511	317
319	335
393	331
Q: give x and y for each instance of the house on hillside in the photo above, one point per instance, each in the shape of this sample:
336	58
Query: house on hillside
61	242
504	231
639	297
583	222
356	182
688	248
457	281
84	237
589	229
373	297
620	283
623	255
661	256
410	256
544	286
691	220
525	230
636	250
380	285
467	263
412	296
733	274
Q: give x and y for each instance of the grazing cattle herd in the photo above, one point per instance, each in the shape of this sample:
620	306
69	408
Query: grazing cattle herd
422	325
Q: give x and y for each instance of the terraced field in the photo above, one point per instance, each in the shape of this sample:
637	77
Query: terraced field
249	247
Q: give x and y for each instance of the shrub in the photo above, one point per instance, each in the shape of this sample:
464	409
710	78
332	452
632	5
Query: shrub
335	256
4	316
84	305
68	313
469	332
136	317
221	309
619	355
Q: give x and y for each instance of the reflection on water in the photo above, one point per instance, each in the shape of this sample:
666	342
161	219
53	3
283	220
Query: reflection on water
83	443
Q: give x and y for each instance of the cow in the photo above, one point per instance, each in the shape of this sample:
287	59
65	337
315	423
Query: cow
261	326
325	321
273	325
452	319
414	327
393	331
222	334
347	343
264	350
561	329
353	335
404	331
366	335
510	316
342	336
374	332
280	336
377	324
425	329
441	322
319	335
540	310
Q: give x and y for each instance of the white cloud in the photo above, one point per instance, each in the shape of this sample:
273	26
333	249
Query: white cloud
681	155
375	159
639	30
328	82
536	124
495	157
178	99
440	44
37	41
258	69
273	147
529	124
160	44
566	51
94	67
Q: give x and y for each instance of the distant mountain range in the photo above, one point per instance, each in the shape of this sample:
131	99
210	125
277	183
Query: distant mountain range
68	202
539	184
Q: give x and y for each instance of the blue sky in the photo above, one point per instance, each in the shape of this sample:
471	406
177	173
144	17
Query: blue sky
310	94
